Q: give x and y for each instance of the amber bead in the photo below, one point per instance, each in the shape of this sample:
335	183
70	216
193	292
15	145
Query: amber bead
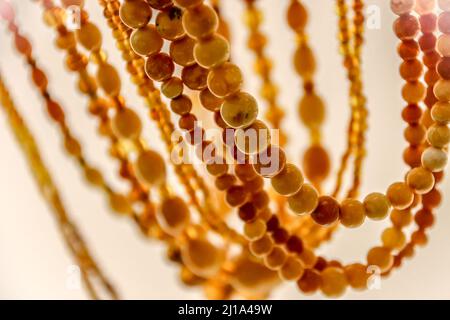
432	200
295	245
442	90
169	23
434	159
225	80
400	195
93	176
39	79
411	70
202	257
245	172
275	259
420	180
151	167
89	36
210	101
415	134
288	181
438	135
408	49
393	238
262	246
292	269
254	139
377	206
247	212
239	110
135	14
260	199
181	105
424	219
413	92
159	67
304	62
441	112
188	3
160	4
380	257
357	276
173	216
305	201
255	229
182	51
200	21
352	213
55	111
406	27
109	79
334	282
224	182
419	238
195	77
119	203
172	88
297	17
327	211
444	22
270	162
212	51
316	163
236	196
127	124
146	41
310	282
187	122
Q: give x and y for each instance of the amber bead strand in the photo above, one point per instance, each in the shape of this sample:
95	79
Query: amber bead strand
256	42
224	28
90	271
316	162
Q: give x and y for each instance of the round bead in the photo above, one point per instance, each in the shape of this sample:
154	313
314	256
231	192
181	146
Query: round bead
172	88
438	136
352	214
400	7
119	203
425	6
159	67
377	206
312	110
151	167
442	90
202	257
334	282
146	41
400	195
413	92
401	218
210	101
406	27
380	257
109	79
434	159
292	269
89	36
173	217
393	238
441	112
255	230
200	22
135	14
195	77
239	110
253	139
327	211
236	196
262	246
225	80
310	282
305	201
357	276
160	4
169	23
420	180
316	163
275	259
288	181
304	62
181	105
297	16
444	22
270	162
127	124
187	3
182	51
443	45
212	51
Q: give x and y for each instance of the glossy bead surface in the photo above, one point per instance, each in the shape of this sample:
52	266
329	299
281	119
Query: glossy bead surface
225	80
434	159
393	238
288	181
380	257
327	211
334	282
127	124
212	51
377	206
400	195
146	41
352	213
438	136
305	201
151	167
292	269
239	110
135	14
159	67
169	23
420	180
173	215
200	22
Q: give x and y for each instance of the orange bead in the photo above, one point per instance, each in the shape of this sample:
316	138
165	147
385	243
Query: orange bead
334	282
288	181
352	214
357	276
400	196
380	257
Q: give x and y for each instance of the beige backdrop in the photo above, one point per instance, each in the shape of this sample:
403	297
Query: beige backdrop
35	264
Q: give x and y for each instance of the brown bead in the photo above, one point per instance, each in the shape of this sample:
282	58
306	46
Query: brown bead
411	70
262	246
181	105
424	219
297	16
182	51
292	269
146	41
224	182
316	164
275	259
174	215
310	282
169	23
210	101
135	14
200	21
212	51
305	201
420	180
225	80
195	77
159	67
357	276
401	219
393	238
247	212
380	257
432	199
406	27
327	211
236	196
172	87
288	181
295	245
377	206
270	162
408	49
280	236
55	111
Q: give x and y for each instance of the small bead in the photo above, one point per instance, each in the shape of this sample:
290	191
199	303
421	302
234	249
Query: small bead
159	67
169	23
120	203
310	282
441	112
151	167
262	246
393	238
420	180
173	217
413	92
352	214
239	110
401	218
327	211
316	164
253	139
109	79
438	136
297	16
270	162
89	36
434	159
443	68
212	51
127	124
146	41
182	51
275	259
202	257
200	22
380	257
288	181
400	195
247	212
304	62
305	201
442	90
357	276
255	230
334	282
377	206
209	101
292	269
135	14
424	219
444	22
172	88
225	80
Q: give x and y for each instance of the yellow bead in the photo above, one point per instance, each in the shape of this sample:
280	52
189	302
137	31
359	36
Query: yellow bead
420	180
305	201
255	230
438	136
182	51
352	214
151	167
312	110
135	14
200	21
159	67
169	23
127	124
304	62
202	257
334	282
380	257
239	110
288	181
442	90
225	80
393	238
441	112
400	196
253	139
357	276
146	41
172	88
434	159
275	259
377	206
173	216
401	218
109	79
119	203
212	51
262	246
292	269
89	36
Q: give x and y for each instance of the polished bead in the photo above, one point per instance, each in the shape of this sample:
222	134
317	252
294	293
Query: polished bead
151	167
159	67
225	80
188	3
400	195
292	269
262	246
254	230
316	163
438	136
352	213
420	180
393	238
146	41
109	79
212	51
434	159
195	77
160	4
310	282
209	101
401	7
380	257
127	124
169	23
270	162
305	201
443	45
406	27
239	110
377	206
172	88
89	36
236	196
200	21
202	257
297	16
334	282
182	51
173	215
120	203
304	62
253	139
327	211
275	259
357	276
181	105
288	181
441	112
135	14
442	90
401	218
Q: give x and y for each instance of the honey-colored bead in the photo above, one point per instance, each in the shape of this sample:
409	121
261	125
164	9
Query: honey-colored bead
400	195
89	36
72	146
334	282
172	88
217	167
262	246
288	181
270	162
109	79
169	23
160	4
39	78
401	218
225	182
188	3
127	124
357	276
310	282
159	67
305	201
146	41
304	62
252	277
312	110
308	258
420	180
210	101
173	216
316	163
393	238
181	105
119	203
182	51
327	211
200	22
254	230
419	238
236	196
442	90
253	139
441	112
434	159
135	14
195	77
239	110
413	92
151	167
380	257
93	176
438	136
225	80
212	51
352	214
275	259
377	206
292	269
202	257
297	16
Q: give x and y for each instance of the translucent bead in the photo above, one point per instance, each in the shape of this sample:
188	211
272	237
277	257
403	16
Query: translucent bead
93	176
159	67
236	196
119	203
310	282
292	269
400	7
151	167
305	201
434	159
357	276
254	230
253	139
400	195
146	41
352	214
316	164
173	216
127	124
200	21
443	45
239	110
441	112
401	218
438	136
89	36
169	23
288	181
442	90
377	206
39	78
275	259
202	257
212	51
109	79
380	257
420	180
304	62
262	246
172	88
245	172
182	51
181	105
210	101
270	162
225	80
297	16
312	110
135	14
55	111
393	238
334	282
327	211
195	77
